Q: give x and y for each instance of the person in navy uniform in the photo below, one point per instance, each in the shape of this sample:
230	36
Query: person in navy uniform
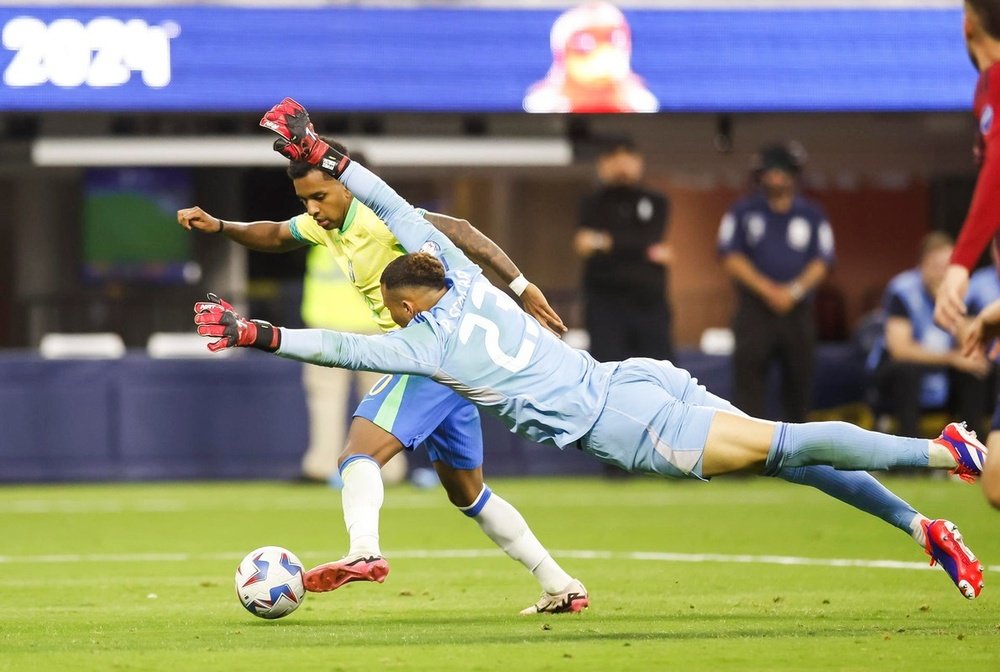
621	237
777	246
917	364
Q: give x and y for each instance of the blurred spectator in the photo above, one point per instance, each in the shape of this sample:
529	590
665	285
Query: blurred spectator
778	246
984	288
917	365
621	237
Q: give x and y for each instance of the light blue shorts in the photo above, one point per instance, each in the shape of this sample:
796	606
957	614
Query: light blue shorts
655	421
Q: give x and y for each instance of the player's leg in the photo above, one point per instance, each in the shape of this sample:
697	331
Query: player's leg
456	448
671	441
368	448
737	443
991	471
370	444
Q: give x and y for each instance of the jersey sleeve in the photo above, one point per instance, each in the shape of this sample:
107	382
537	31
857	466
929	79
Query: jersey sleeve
983	220
405	222
305	230
822	242
414	350
732	237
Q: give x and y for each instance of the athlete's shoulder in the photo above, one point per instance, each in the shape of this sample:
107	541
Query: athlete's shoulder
305	229
747	203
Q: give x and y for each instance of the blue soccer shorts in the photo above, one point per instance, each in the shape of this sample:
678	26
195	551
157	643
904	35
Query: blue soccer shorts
417	410
655	421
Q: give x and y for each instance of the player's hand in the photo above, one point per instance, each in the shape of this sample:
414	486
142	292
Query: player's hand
535	304
949	306
981	334
216	318
198	220
976	364
299	141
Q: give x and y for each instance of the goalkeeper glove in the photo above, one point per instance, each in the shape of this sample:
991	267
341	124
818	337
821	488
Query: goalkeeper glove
299	141
217	319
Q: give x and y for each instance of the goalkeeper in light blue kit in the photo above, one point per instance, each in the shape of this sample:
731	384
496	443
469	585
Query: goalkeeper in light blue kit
642	415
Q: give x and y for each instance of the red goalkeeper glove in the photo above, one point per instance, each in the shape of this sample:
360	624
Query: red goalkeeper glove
299	141
217	319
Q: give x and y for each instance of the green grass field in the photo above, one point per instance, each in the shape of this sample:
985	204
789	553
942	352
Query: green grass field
140	577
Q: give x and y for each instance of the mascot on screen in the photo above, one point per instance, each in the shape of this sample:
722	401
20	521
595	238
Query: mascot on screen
591	66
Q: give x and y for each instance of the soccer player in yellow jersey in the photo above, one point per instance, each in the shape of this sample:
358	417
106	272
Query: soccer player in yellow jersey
401	412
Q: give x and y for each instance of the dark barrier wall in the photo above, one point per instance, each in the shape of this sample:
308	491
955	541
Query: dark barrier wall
237	418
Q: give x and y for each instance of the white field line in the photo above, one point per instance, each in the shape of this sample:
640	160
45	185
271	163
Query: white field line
476	553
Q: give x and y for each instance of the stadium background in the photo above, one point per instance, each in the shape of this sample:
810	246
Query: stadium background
431	92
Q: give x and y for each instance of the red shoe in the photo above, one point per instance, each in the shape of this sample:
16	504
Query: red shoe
333	575
945	546
968	451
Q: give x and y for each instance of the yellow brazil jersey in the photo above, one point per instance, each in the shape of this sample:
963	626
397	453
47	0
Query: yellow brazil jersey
362	248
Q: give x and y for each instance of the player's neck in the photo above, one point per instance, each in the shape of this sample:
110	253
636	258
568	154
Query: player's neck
986	53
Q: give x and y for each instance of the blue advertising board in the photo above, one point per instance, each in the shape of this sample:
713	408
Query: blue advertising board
212	58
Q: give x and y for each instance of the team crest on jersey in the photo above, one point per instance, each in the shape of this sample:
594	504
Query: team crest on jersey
986	120
431	248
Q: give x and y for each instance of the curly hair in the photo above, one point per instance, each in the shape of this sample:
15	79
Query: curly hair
299	169
414	270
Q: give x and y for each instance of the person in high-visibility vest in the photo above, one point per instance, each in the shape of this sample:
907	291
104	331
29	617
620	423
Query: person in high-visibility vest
330	301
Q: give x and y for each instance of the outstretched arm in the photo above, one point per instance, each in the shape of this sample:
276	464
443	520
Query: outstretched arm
263	236
478	247
415	350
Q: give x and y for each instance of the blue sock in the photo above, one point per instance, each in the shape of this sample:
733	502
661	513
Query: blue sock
857	488
842	446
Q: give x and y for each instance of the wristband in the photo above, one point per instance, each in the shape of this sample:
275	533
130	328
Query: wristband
222	226
267	338
519	284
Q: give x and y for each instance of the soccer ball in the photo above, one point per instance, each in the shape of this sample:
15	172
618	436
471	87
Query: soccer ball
269	582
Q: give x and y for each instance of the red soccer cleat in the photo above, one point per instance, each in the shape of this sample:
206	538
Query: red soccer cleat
945	546
333	575
968	451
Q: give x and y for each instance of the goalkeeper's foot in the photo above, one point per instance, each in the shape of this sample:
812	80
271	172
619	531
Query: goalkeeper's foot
571	600
946	548
333	575
968	451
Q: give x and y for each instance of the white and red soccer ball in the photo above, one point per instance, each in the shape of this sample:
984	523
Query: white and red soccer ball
269	582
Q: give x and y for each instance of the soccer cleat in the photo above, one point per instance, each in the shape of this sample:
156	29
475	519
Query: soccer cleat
967	450
572	600
945	546
333	575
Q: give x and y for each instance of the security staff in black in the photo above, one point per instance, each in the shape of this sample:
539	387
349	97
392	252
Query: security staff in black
777	246
621	237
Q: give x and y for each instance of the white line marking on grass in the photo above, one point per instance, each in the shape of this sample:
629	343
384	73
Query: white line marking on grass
452	554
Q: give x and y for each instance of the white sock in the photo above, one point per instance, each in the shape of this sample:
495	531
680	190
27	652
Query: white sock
362	498
507	528
917	530
939	457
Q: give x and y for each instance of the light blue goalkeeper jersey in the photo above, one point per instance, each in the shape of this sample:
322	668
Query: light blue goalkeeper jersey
476	339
